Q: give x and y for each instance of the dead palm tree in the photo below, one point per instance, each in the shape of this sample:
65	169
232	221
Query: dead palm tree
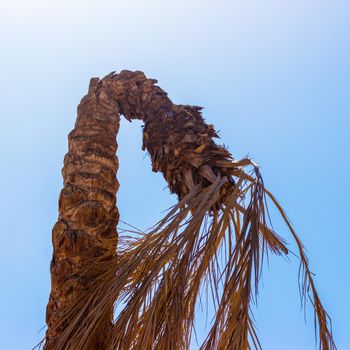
216	236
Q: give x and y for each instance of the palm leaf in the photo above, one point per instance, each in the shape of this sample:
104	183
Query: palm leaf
157	278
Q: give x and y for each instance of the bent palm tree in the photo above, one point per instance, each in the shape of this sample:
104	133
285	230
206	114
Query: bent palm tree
216	235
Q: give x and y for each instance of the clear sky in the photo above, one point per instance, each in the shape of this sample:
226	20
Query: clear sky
274	78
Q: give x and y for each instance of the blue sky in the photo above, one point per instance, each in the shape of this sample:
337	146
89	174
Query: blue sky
274	78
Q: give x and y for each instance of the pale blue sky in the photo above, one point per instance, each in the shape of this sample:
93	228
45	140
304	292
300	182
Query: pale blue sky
274	78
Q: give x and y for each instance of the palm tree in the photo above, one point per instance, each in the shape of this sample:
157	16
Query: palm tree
155	279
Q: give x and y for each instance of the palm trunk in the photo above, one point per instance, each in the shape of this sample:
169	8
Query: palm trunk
87	212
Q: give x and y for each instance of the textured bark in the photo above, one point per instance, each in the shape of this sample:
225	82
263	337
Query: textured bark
87	209
180	143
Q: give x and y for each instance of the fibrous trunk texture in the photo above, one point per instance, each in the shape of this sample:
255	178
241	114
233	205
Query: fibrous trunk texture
216	236
87	212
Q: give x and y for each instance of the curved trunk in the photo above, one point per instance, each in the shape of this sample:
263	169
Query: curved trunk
181	146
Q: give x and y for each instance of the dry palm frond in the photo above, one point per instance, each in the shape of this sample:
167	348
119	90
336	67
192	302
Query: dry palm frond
215	238
159	276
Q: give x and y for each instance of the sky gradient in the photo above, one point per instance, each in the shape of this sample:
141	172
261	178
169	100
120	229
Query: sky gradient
274	78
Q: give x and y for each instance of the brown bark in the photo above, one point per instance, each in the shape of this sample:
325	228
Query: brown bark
180	143
87	209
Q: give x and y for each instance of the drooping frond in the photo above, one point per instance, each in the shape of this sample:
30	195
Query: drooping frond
323	323
158	276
